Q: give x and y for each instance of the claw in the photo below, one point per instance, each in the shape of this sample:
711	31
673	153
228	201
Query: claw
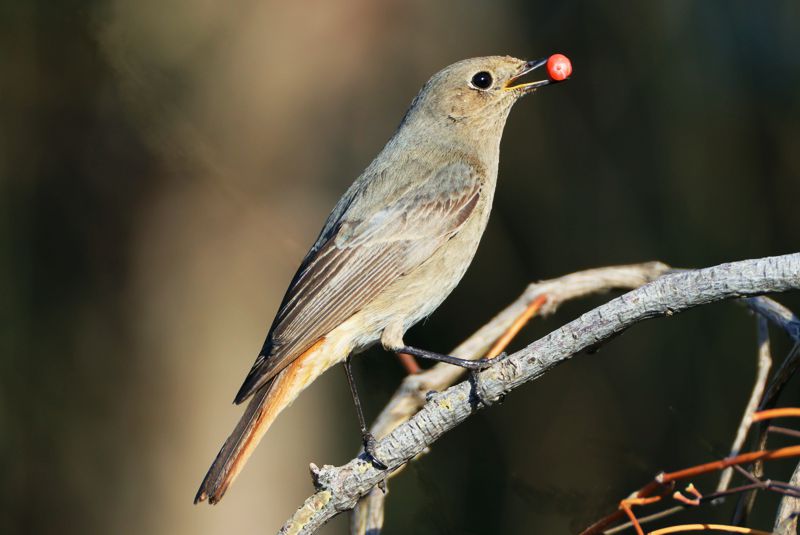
486	363
369	449
477	391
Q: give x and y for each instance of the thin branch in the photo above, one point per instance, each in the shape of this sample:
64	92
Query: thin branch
774	486
784	431
646	519
786	320
503	342
785	372
700	469
663	483
708	527
409	363
764	363
788	367
367	516
769	414
339	488
777	314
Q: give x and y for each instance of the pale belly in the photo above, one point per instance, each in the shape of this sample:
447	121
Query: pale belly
416	295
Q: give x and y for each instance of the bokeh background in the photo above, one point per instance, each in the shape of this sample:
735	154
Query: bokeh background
165	164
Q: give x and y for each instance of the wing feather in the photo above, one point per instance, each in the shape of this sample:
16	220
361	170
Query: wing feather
359	253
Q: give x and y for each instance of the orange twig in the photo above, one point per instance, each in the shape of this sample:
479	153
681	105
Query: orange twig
626	504
603	523
707	527
409	363
518	324
766	455
691	489
665	478
776	413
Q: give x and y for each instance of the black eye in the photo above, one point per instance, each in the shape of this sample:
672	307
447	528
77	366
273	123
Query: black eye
482	80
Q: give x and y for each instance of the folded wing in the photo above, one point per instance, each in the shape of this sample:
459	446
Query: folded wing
364	247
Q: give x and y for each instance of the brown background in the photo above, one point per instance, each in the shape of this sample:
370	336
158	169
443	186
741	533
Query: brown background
164	165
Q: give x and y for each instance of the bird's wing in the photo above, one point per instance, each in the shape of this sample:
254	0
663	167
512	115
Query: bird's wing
360	252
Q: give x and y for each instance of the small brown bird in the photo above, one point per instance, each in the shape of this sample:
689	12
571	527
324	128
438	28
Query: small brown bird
392	250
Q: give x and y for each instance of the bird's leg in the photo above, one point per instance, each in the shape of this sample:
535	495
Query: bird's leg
474	366
366	437
478	364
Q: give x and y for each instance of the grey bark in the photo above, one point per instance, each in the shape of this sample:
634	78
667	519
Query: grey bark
339	488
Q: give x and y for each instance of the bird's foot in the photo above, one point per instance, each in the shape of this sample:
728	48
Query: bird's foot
369	448
483	364
478	392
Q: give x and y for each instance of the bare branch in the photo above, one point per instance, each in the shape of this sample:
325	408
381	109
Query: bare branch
784	318
368	513
339	488
776	313
410	396
764	363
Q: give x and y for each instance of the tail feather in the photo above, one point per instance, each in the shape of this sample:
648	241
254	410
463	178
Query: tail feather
267	402
238	447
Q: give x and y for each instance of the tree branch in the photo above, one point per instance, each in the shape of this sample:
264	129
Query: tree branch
339	488
410	396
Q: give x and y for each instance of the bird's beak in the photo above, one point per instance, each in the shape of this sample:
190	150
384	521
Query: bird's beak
528	87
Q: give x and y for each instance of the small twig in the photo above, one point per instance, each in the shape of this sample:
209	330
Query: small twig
626	506
666	478
708	527
768	310
785	372
764	363
409	363
773	486
784	318
691	489
763	455
783	412
368	516
777	314
646	519
516	327
789	323
783	431
789	365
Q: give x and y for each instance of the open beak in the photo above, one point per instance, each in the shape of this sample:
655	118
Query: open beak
527	87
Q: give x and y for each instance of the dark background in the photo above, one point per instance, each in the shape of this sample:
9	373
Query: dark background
164	165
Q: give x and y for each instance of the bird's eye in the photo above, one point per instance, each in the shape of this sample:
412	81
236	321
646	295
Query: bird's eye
482	80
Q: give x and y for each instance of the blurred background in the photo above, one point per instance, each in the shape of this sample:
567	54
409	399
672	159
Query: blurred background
165	164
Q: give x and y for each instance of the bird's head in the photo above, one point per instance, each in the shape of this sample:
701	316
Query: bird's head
477	92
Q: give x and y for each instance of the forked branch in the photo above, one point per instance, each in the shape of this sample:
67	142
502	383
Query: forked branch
339	488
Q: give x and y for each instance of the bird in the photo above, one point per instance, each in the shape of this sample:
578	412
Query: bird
394	247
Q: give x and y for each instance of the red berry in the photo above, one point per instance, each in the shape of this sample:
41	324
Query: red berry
559	67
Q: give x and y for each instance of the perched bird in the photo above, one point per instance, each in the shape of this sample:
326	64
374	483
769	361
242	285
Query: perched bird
392	249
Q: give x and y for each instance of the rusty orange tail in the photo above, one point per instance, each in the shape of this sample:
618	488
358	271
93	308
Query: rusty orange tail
237	449
267	402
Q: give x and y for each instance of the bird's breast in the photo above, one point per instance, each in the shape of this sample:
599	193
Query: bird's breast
416	294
